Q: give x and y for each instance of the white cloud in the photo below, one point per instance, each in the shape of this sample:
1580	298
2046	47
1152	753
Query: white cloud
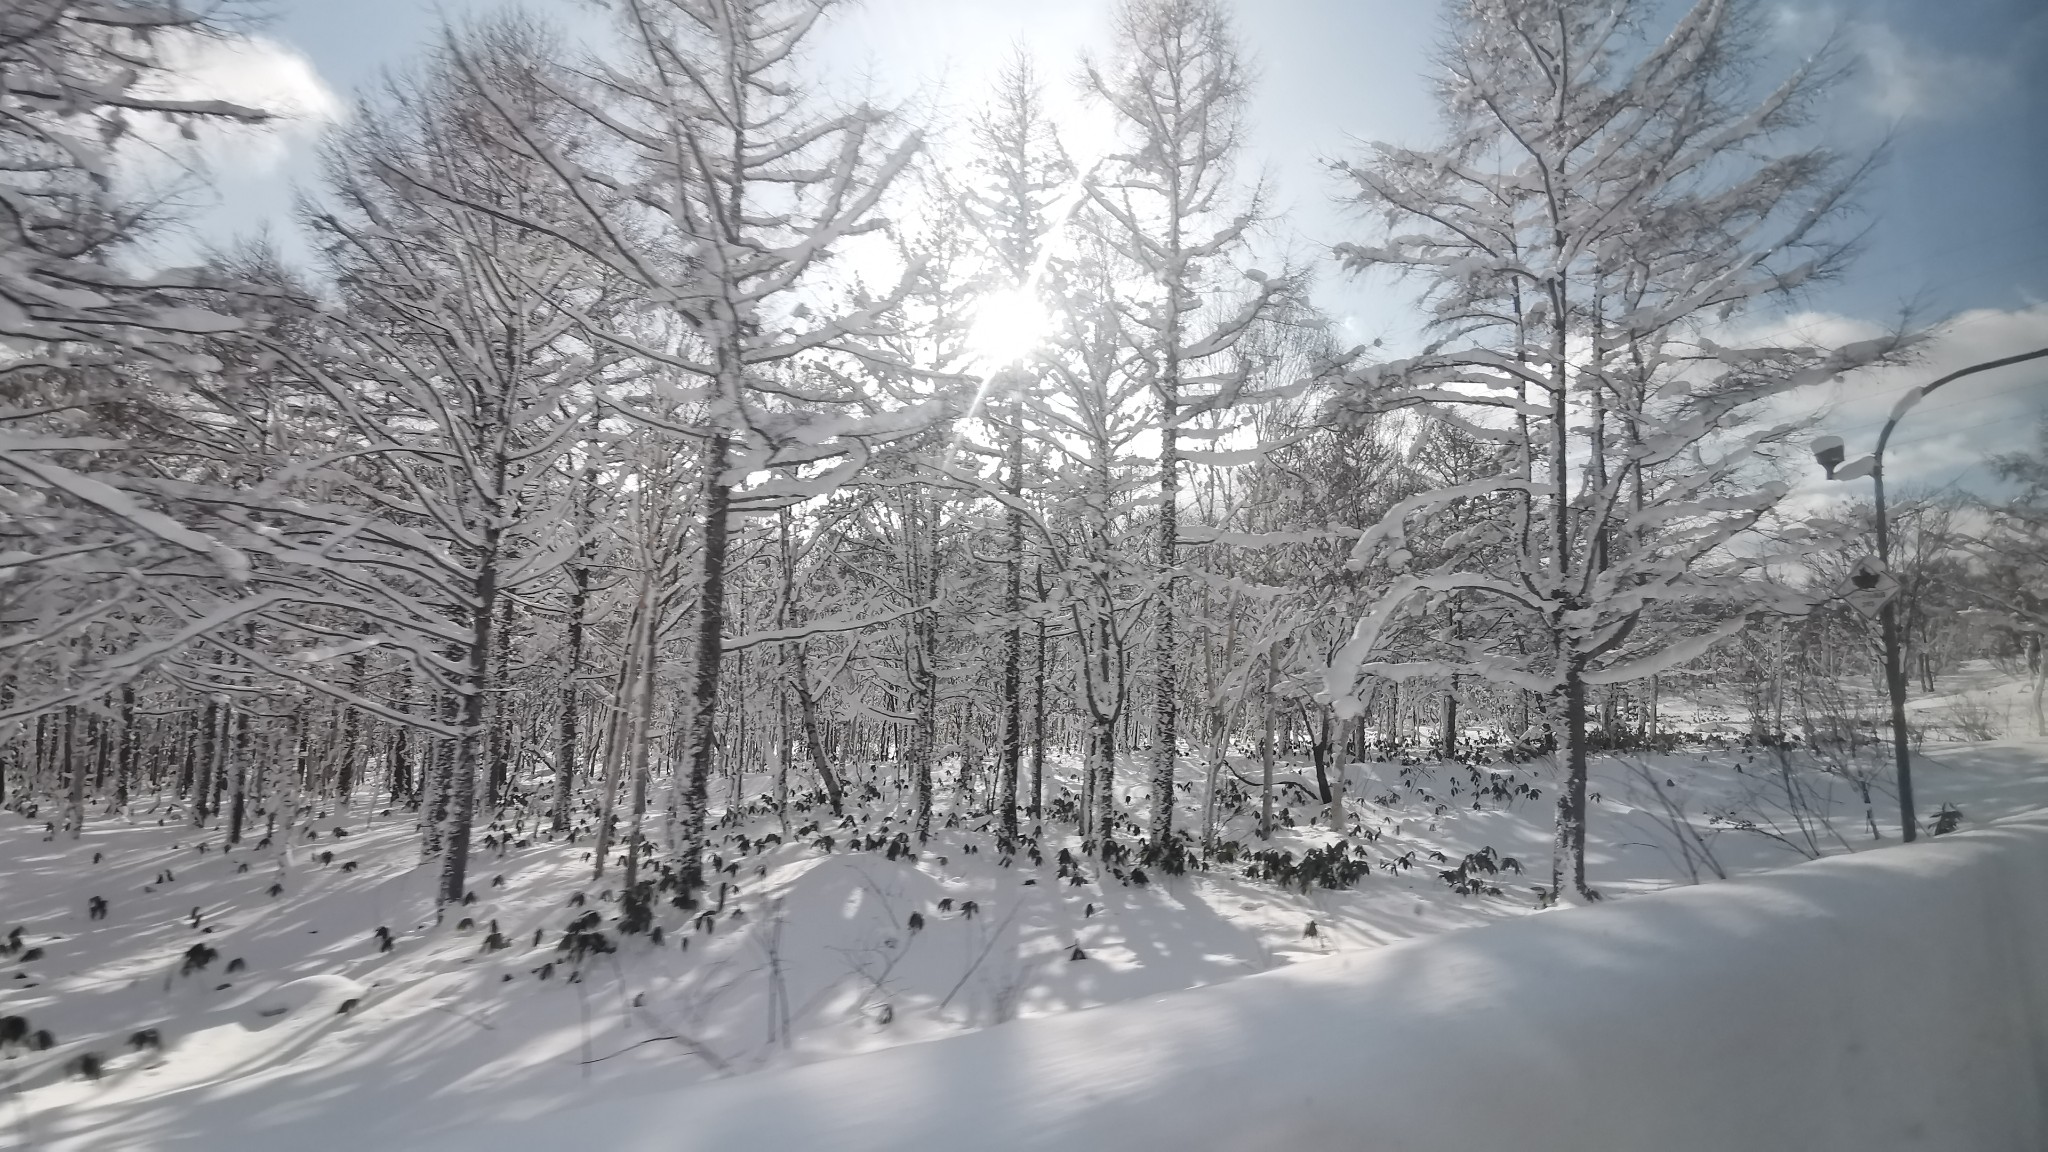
252	71
1896	78
1902	80
1949	437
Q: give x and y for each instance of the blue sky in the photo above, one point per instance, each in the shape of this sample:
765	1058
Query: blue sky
1958	217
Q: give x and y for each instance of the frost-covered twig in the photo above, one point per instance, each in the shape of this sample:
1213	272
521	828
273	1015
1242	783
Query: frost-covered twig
1693	848
986	947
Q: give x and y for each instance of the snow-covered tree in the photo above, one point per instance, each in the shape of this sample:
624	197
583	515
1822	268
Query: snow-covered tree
1169	201
90	345
723	192
1021	191
2015	551
1609	206
464	387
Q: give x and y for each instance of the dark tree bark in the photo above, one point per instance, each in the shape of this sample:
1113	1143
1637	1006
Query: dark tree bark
710	641
1013	639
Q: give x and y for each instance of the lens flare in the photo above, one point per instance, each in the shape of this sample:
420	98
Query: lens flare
1007	326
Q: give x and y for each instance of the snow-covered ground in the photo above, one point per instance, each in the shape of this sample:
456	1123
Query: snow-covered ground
1976	700
1891	1001
809	954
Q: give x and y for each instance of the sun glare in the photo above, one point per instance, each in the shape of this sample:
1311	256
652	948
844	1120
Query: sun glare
1007	326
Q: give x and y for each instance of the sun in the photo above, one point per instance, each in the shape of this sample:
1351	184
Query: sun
1007	326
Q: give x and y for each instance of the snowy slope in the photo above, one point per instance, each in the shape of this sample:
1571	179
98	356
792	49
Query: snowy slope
1894	1000
812	957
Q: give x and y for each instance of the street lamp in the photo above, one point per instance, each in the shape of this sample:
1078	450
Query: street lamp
1828	450
1829	453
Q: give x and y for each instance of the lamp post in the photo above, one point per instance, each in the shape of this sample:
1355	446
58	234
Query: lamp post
1829	452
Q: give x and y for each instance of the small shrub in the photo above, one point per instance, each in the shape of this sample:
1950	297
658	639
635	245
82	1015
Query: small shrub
1469	877
1973	719
197	957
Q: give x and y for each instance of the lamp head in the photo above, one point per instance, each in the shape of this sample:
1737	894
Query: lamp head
1828	451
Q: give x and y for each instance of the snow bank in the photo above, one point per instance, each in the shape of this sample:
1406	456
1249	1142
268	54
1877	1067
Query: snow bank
1896	999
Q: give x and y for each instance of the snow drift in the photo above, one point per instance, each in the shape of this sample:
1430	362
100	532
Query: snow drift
1896	999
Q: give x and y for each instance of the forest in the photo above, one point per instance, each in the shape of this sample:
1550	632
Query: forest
673	470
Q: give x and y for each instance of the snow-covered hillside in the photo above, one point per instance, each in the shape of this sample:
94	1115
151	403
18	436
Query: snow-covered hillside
1889	1002
299	1012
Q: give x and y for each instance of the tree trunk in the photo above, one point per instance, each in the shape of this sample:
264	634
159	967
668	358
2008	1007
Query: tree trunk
1650	714
1013	645
209	763
800	678
351	729
1448	738
125	769
498	710
807	709
643	732
74	777
238	801
458	814
566	750
1038	715
1340	763
785	752
1319	750
1266	750
404	782
1165	629
1101	799
710	643
1568	864
2040	689
188	769
620	733
437	768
